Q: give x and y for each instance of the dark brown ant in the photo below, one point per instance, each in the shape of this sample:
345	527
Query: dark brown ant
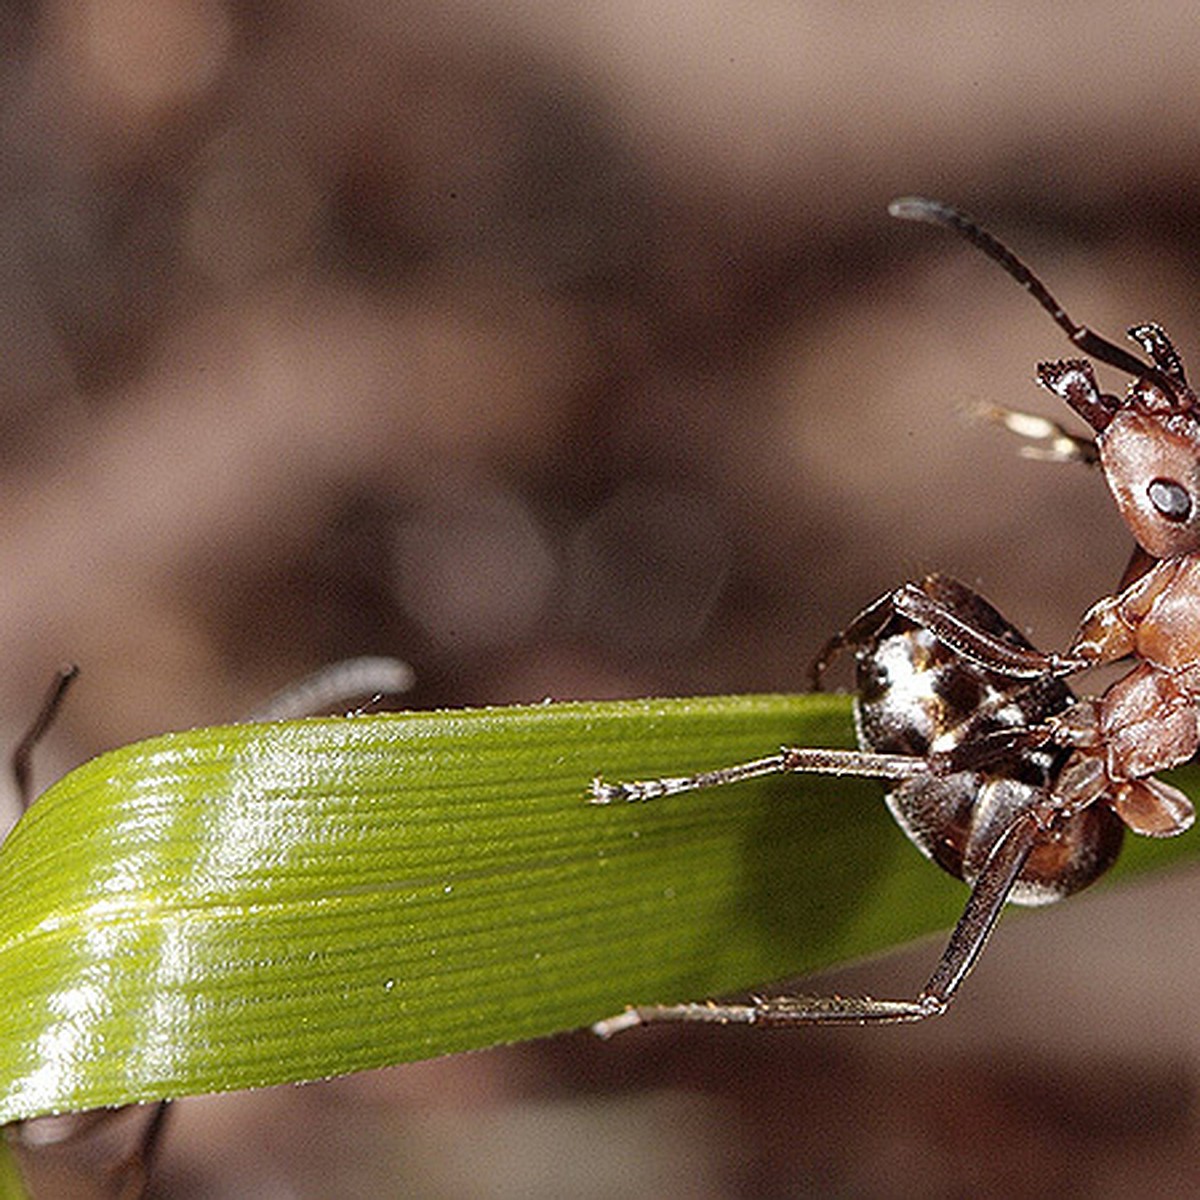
1003	777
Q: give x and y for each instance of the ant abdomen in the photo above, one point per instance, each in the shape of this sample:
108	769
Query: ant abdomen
915	696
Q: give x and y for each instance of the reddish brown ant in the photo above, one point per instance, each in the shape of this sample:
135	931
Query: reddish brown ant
1003	777
1149	450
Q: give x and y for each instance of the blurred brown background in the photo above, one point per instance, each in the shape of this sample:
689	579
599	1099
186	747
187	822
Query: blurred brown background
566	350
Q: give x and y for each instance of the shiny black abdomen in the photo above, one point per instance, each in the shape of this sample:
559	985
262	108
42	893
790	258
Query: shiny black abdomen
916	695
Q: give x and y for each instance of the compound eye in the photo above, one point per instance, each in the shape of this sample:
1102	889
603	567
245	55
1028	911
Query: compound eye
1170	499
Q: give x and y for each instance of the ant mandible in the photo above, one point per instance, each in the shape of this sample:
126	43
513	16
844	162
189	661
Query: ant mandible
1003	777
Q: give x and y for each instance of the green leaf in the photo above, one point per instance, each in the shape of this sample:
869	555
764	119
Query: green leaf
254	904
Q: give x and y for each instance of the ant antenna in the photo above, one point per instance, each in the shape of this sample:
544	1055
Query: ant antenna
934	212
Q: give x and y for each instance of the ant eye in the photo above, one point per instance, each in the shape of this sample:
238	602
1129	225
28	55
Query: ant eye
1171	499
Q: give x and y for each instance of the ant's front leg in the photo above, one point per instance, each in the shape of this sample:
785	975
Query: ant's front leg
1045	440
992	888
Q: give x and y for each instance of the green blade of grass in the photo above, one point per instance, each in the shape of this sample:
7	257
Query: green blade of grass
255	904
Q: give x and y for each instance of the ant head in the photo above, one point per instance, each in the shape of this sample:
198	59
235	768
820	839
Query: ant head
1149	443
1151	460
1153	471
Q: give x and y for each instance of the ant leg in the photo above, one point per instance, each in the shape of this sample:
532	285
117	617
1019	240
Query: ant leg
1045	440
916	603
22	755
983	649
862	629
992	887
820	762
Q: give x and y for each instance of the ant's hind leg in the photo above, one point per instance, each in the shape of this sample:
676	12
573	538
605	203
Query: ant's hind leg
943	608
992	888
992	653
863	630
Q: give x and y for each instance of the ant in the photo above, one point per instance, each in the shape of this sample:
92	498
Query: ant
1003	776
